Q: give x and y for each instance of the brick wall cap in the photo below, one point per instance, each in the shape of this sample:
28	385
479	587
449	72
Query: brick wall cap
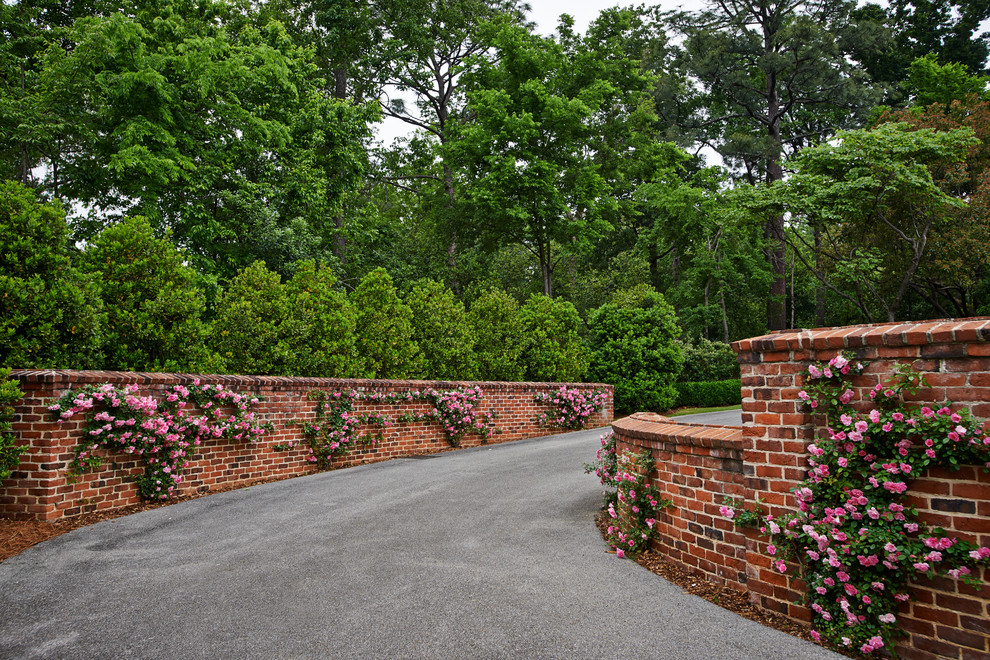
278	382
897	333
642	427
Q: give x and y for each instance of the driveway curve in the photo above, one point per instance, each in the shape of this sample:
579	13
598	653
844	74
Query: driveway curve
481	553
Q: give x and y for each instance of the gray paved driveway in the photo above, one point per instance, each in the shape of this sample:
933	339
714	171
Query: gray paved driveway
482	553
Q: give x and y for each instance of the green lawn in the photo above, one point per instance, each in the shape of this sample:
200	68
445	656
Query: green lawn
695	411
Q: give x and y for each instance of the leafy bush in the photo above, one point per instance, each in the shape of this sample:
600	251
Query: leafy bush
384	329
634	349
154	310
706	360
10	452
326	345
709	394
255	331
498	335
49	312
552	349
440	327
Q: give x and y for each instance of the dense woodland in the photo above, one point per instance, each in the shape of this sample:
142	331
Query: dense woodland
199	173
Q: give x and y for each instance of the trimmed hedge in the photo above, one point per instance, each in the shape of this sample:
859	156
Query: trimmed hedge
709	394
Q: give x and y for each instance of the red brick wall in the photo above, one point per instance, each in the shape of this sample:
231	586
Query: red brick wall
39	488
696	466
947	618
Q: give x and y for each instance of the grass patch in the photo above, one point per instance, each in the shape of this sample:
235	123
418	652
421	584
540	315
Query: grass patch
696	411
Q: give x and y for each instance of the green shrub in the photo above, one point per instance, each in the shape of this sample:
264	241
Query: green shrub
326	344
709	394
440	327
552	349
384	329
153	309
254	330
49	311
498	336
10	453
633	344
706	360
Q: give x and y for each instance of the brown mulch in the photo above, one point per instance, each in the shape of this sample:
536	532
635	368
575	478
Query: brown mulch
730	599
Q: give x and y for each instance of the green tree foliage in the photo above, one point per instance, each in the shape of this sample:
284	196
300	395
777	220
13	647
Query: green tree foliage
714	269
255	330
553	351
326	346
10	451
551	144
634	349
929	82
776	76
385	338
498	335
954	281
188	114
440	327
49	312
874	199
153	307
905	30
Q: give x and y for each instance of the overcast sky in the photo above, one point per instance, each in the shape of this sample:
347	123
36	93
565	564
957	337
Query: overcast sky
545	12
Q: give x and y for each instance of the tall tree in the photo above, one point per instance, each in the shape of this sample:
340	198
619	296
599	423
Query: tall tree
775	77
561	137
427	45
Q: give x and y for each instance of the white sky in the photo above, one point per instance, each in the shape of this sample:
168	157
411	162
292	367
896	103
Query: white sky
545	12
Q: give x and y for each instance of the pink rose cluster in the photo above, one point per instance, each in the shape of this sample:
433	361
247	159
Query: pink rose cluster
161	433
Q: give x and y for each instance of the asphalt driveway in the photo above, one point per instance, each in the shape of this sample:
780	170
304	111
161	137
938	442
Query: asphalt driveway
481	553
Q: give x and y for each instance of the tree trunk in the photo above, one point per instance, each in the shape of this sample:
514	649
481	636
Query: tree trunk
774	228
819	288
725	316
654	260
708	286
448	186
339	241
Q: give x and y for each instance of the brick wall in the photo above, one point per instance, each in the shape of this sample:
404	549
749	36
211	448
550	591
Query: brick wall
767	456
40	489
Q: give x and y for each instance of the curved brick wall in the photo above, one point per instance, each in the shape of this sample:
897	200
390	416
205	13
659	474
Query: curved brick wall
39	488
766	457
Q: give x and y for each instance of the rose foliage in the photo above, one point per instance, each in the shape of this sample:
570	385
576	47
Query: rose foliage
570	408
856	542
161	433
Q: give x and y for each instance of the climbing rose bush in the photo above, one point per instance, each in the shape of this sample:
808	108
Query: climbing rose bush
605	466
161	433
570	408
854	540
337	430
637	505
